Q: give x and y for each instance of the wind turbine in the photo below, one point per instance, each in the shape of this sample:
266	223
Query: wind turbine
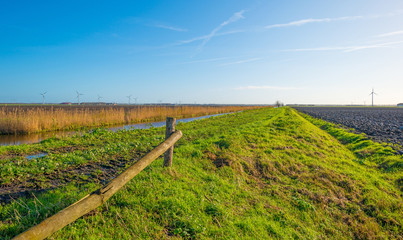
78	96
372	93
99	99
129	97
135	100
43	97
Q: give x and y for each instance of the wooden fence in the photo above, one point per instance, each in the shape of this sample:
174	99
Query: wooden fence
100	196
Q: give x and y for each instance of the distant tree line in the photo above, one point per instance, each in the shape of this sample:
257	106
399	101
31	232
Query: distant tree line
279	104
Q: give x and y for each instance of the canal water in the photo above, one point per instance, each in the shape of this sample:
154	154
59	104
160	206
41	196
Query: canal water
37	137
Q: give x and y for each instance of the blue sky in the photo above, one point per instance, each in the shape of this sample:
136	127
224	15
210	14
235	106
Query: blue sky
227	51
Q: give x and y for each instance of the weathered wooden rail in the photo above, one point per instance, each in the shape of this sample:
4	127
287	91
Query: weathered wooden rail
100	196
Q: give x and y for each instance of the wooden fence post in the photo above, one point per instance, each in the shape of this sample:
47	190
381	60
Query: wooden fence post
97	198
170	128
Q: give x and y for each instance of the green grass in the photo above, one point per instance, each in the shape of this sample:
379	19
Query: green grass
259	174
364	149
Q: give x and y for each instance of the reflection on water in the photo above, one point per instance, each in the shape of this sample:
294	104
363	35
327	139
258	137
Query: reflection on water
39	155
37	137
31	138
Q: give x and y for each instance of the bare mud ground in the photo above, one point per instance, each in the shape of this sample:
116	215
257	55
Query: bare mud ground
382	124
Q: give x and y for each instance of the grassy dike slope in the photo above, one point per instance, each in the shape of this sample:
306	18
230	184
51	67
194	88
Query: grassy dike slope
259	174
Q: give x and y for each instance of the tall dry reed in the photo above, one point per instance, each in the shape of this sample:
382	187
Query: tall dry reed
29	119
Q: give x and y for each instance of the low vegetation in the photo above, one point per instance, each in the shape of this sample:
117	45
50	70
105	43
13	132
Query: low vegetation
37	118
383	124
258	174
382	154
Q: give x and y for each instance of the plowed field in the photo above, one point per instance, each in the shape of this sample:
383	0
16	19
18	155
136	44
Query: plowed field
381	124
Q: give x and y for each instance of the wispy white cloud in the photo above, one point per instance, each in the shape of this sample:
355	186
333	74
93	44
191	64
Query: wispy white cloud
241	61
391	34
321	20
265	87
235	17
206	36
203	60
177	29
311	20
380	45
154	23
347	48
318	49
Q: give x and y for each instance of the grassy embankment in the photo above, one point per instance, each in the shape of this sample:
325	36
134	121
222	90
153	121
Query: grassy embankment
266	173
367	150
37	118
